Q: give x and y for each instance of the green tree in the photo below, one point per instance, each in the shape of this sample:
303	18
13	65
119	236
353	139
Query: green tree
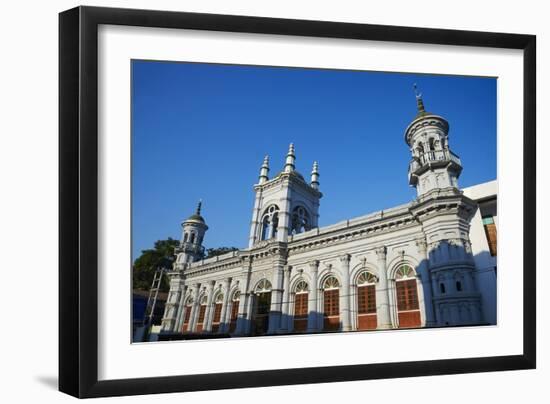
213	252
161	256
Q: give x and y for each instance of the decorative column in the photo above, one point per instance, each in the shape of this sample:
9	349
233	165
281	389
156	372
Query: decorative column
276	297
312	305
382	297
242	321
345	293
285	320
181	309
424	272
224	324
209	307
195	308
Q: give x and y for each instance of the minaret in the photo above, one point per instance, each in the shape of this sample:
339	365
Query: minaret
264	171
315	176
433	166
193	230
290	159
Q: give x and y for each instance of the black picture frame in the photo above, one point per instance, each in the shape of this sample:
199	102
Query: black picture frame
78	201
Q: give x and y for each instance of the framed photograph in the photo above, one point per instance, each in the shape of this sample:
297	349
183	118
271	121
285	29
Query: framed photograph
250	201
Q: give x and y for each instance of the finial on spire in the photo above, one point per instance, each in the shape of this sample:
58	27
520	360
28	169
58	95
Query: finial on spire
199	205
419	101
315	176
264	170
290	158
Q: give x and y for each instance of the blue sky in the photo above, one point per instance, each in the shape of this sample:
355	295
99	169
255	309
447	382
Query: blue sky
202	130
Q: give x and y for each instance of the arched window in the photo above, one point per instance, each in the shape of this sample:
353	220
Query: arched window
185	237
218	305
408	309
270	222
192	239
187	316
262	307
366	301
234	310
202	312
442	288
331	301
263	286
458	286
300	306
300	221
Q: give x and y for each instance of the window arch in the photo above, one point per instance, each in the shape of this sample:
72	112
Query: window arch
331	302
235	298
216	318
301	287
366	301
192	238
202	313
301	293
263	286
408	308
458	286
270	223
187	316
366	278
300	221
331	283
442	288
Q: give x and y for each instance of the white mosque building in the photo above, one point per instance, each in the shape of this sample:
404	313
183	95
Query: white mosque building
428	263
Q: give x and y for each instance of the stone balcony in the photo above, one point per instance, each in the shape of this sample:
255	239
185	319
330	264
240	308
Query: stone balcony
432	158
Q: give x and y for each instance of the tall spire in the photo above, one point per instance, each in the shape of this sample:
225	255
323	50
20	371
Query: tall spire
199	206
419	101
264	170
290	159
315	176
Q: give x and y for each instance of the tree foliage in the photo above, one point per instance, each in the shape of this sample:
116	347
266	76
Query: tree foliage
213	252
160	256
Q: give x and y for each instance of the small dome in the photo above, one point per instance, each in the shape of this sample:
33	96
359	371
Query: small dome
195	218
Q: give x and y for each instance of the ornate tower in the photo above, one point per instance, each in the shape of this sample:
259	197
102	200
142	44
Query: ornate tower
286	204
433	164
447	269
193	230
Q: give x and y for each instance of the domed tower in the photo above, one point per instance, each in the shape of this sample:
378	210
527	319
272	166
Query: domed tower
433	164
193	230
285	204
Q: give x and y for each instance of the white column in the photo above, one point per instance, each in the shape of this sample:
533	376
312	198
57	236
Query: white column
195	308
345	293
224	323
276	297
312	305
181	309
285	321
382	291
284	216
209	307
424	272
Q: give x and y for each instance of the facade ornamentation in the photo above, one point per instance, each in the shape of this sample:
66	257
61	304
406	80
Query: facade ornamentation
421	270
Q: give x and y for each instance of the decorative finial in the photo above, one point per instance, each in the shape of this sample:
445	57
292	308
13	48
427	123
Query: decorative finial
290	158
419	101
315	176
264	170
199	207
